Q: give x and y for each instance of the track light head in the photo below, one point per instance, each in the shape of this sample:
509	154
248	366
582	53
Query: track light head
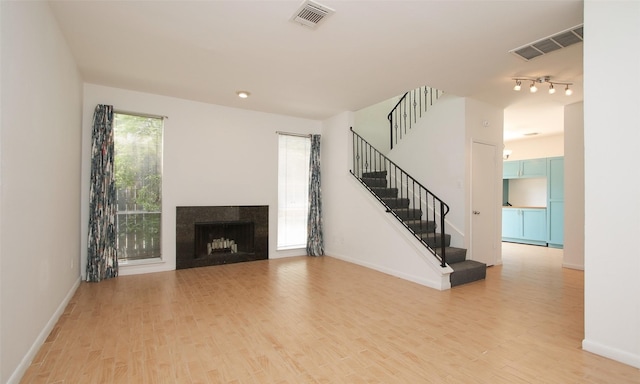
551	89
568	91
533	88
517	87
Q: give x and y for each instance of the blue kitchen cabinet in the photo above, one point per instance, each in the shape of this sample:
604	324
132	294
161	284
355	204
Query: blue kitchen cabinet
520	169
556	224
555	203
534	225
511	223
534	168
511	169
524	225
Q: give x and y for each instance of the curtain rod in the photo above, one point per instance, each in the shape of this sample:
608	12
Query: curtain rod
294	134
140	114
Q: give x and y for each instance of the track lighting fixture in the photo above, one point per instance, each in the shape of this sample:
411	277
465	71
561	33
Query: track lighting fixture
539	80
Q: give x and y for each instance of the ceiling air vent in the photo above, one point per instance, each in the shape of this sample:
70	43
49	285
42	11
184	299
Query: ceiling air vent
549	44
310	14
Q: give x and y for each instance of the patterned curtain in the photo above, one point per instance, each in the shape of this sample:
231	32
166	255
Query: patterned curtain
102	259
315	242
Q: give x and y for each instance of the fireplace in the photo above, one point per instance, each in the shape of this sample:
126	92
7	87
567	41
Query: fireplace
214	235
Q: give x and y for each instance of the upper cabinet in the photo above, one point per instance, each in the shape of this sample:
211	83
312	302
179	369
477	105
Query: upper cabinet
524	168
511	169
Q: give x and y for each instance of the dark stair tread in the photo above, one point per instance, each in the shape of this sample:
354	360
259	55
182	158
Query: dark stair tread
395	202
453	255
374	174
467	271
374	182
385	192
420	226
435	239
408	213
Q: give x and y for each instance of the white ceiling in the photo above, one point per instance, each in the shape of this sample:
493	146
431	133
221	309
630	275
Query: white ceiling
366	52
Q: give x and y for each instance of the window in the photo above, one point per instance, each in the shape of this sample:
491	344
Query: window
138	172
293	191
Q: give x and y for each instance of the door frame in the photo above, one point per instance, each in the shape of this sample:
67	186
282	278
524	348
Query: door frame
497	202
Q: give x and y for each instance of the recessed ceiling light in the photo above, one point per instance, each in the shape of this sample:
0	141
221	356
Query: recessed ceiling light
243	94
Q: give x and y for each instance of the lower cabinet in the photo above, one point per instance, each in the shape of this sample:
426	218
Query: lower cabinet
555	202
524	225
556	224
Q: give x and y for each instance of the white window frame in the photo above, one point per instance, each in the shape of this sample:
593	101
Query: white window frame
293	190
156	256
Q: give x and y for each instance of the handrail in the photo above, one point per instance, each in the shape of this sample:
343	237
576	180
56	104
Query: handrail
422	203
408	109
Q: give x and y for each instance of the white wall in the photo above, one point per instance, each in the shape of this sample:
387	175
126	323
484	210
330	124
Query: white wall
612	185
40	160
357	228
371	123
521	119
573	255
536	147
212	155
528	192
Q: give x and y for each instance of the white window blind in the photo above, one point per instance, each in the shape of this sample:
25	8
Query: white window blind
293	190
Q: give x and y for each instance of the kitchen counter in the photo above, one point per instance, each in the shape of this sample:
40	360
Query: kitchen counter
522	207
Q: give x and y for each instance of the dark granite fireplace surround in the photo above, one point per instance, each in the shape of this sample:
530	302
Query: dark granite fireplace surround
247	226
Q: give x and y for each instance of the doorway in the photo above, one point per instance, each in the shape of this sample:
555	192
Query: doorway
484	203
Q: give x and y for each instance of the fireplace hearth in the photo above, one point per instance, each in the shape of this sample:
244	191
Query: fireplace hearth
214	235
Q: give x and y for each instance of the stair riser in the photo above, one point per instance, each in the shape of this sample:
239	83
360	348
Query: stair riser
453	255
375	182
378	174
396	203
385	192
408	214
422	227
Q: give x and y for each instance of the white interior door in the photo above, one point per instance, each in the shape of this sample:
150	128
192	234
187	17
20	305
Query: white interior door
484	198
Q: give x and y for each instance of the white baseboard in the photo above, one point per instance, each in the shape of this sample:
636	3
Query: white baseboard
443	284
611	353
573	266
42	337
138	267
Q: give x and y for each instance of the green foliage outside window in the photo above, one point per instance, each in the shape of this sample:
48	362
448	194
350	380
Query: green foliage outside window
138	173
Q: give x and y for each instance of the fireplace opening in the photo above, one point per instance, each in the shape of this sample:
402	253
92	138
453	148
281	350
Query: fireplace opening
214	235
213	239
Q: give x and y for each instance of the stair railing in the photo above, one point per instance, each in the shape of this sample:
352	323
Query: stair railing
368	160
406	112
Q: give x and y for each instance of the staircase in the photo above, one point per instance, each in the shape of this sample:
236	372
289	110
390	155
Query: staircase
420	211
464	271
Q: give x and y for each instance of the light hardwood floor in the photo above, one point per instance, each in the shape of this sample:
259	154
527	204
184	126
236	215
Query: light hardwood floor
322	320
